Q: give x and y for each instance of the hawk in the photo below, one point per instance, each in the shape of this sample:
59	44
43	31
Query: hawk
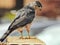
24	19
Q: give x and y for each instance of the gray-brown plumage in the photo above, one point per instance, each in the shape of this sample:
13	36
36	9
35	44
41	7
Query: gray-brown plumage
26	16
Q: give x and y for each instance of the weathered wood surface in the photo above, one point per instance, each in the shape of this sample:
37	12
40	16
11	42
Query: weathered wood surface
25	41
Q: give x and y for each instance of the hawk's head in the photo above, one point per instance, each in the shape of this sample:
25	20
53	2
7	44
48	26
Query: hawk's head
36	5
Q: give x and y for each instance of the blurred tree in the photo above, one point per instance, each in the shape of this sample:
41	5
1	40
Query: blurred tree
7	5
2	12
19	4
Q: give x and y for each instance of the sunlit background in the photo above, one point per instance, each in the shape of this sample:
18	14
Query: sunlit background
46	25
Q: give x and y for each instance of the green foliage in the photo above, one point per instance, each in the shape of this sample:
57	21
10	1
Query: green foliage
9	16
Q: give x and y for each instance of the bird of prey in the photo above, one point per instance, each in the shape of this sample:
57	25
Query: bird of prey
24	19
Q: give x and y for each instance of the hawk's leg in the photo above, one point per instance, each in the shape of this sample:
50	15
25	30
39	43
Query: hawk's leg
28	29
21	31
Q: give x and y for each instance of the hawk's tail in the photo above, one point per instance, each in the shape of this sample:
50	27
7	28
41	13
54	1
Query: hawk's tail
5	35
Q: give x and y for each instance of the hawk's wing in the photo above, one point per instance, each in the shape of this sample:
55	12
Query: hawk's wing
21	17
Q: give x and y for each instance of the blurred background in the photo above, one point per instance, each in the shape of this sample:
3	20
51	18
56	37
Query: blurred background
47	20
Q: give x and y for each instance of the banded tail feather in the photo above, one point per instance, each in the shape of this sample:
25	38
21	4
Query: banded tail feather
5	35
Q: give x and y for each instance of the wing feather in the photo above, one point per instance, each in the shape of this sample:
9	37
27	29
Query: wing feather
22	15
18	19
